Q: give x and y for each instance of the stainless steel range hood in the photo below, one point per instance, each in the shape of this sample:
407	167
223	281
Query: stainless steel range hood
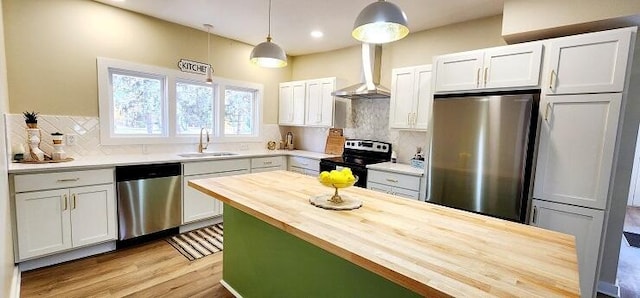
371	57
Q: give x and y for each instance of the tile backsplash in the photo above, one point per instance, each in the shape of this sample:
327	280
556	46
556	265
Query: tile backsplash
365	119
87	131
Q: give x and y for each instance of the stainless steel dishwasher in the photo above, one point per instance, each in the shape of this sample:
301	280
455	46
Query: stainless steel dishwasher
148	199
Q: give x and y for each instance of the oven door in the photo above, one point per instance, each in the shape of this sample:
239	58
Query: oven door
361	172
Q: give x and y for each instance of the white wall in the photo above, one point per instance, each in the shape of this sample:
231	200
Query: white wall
6	241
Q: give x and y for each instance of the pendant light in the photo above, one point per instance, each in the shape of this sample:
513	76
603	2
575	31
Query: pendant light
269	54
380	22
209	68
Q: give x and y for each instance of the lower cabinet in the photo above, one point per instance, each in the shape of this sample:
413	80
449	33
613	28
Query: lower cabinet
266	164
197	205
406	186
55	220
583	223
304	165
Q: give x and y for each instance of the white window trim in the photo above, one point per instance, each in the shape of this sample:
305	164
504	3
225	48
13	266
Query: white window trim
170	133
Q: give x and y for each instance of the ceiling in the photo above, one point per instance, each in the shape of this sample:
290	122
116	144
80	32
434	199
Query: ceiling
293	20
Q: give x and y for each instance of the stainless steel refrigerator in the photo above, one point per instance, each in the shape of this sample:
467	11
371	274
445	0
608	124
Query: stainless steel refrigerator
481	152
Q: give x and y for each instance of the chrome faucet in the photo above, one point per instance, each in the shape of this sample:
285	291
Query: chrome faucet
202	147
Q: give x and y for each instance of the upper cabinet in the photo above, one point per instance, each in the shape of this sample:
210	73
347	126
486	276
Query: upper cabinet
319	102
588	63
307	103
411	97
502	67
291	105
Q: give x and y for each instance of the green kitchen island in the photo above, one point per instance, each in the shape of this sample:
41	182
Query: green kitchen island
277	244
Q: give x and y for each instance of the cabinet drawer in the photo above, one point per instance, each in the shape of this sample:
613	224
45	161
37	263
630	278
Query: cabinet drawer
305	163
266	162
214	166
394	179
31	182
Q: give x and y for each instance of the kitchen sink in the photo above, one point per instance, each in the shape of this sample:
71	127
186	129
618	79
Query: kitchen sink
206	154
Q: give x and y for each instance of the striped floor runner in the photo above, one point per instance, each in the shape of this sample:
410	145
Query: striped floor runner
198	243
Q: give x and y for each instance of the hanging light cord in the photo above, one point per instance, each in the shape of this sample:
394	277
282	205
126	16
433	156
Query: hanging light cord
269	34
208	44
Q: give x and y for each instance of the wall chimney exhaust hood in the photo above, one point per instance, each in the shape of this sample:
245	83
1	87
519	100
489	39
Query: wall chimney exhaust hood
371	57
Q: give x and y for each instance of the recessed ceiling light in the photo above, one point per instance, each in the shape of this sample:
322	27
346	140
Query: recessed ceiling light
317	33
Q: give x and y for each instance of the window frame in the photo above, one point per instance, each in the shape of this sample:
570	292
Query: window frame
107	66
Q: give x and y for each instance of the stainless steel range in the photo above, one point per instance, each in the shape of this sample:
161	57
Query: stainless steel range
357	155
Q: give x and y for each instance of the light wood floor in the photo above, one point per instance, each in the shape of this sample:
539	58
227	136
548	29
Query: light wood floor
154	269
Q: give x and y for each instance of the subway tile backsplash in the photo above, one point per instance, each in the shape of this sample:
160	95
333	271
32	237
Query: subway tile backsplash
87	130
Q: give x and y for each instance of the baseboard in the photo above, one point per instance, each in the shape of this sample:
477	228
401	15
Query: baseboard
15	283
611	290
230	289
200	224
67	256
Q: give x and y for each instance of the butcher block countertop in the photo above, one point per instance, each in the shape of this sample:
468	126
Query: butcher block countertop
430	249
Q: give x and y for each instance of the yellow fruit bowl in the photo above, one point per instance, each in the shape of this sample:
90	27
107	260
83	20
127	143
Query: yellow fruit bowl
337	180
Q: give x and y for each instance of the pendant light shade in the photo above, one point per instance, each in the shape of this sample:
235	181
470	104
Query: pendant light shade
380	22
268	54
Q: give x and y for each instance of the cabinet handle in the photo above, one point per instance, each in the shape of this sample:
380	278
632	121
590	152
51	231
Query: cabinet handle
267	162
408	118
73	201
486	69
392	180
546	112
535	213
478	78
64	198
415	118
68	180
551	79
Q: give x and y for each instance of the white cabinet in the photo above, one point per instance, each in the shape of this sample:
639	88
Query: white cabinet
197	205
319	102
304	165
291	103
411	97
500	67
266	164
407	186
55	212
583	223
576	148
588	63
307	103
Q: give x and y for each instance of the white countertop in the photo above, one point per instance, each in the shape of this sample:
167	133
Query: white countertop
102	161
396	168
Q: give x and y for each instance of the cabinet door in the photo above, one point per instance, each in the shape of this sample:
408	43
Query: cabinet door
291	103
575	155
423	97
42	222
93	214
285	104
583	223
218	204
402	93
512	66
379	187
588	63
195	204
458	71
319	102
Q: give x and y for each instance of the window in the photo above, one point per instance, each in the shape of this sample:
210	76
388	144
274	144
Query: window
194	107
137	104
142	104
239	111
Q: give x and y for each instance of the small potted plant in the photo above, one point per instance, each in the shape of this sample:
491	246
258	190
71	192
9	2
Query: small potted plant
57	138
31	119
